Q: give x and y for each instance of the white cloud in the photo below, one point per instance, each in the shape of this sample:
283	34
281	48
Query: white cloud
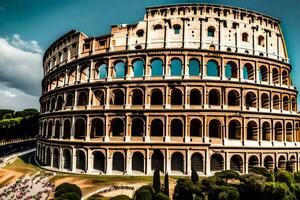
8	94
31	46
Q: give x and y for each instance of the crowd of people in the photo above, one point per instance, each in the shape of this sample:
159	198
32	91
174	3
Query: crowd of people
34	187
116	187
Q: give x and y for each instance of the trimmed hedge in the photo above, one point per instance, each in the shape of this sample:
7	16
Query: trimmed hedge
68	196
120	197
67	188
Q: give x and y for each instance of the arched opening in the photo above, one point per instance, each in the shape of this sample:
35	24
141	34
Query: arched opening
275	76
263	73
215	128
70	100
293	163
195	128
52	104
118	97
195	97
231	70
285	77
84	73
157	97
251	99
119	69
252	131
197	162
82	99
99	98
137	127
57	130
117	127
294	104
48	157
138	162
118	162
213	68
235	130
61	80
245	37
67	129
289	132
278	131
80	128
233	98
157	161
214	97
71	75
176	67
102	71
176	128
49	133
80	160
176	97
276	102
157	67
282	163
266	131
157	128
176	28
137	97
99	161
261	41
236	163
177	164
252	162
55	158
216	162
97	129
66	159
248	72
45	129
265	101
286	103
194	67
138	68
140	33
59	104
211	31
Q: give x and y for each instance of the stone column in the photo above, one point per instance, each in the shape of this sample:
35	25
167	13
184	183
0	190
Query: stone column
108	162
88	128
73	167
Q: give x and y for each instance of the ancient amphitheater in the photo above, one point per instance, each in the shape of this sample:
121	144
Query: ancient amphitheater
191	86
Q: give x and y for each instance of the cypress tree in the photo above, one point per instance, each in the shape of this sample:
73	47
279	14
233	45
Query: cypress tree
195	177
166	185
156	181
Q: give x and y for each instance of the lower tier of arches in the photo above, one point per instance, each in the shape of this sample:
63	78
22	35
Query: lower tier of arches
175	160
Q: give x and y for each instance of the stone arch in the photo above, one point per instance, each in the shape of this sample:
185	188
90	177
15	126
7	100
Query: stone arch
265	102
236	163
275	75
176	128
215	128
235	130
72	76
157	128
83	98
231	70
176	67
137	127
214	97
216	162
117	97
138	68
266	131
282	162
137	97
84	73
48	157
80	128
276	102
117	127
49	132
156	97
263	73
80	160
213	68
97	128
177	162
268	163
195	97
70	100
285	77
286	103
252	131
57	129
157	160
197	162
176	97
278	131
59	104
67	159
118	162
194	67
251	99
67	129
248	72
98	161
138	162
195	128
289	132
56	158
99	97
157	67
233	98
119	69
252	162
102	70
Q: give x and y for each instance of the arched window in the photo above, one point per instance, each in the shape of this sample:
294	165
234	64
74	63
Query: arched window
176	128
99	97
117	127
214	97
84	73
176	67
248	72
195	128
285	77
211	31
57	130
195	97
82	99
67	129
118	162
70	100
59	104
177	164
216	162
275	75
278	131
52	104
251	99
156	97
233	98
215	128
102	71
48	157
235	130
282	163
197	162
157	128
194	67
261	41
157	67
213	68
137	127
66	159
80	160
265	100
289	132
253	162
119	69
140	33
71	75
266	131
99	161
80	128
268	163
61	80
56	158
286	103
138	68
118	97
252	131
236	163
157	161
245	37
231	70
138	162
263	73
97	129
176	28
49	129
176	97
137	97
294	104
276	102
45	129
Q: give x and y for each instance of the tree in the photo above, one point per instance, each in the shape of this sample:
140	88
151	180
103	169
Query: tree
67	188
251	186
288	166
120	197
156	181
228	174
275	191
194	177
284	177
161	196
166	185
145	192
297	177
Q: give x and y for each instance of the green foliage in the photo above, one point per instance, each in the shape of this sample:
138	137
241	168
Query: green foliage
288	166
69	196
4	112
120	197
96	197
166	185
209	182
262	171
145	192
67	188
156	181
297	177
251	186
275	191
183	190
161	196
295	188
228	174
194	177
224	193
284	177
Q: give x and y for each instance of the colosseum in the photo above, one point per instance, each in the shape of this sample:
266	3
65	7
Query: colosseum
191	86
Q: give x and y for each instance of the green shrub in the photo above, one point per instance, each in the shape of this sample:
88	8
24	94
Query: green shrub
67	188
161	196
275	191
96	197
183	190
295	189
166	185
144	193
120	197
251	186
224	193
284	177
228	174
194	177
68	196
262	171
156	181
209	182
297	177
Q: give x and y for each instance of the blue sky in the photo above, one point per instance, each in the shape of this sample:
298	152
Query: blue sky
28	27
